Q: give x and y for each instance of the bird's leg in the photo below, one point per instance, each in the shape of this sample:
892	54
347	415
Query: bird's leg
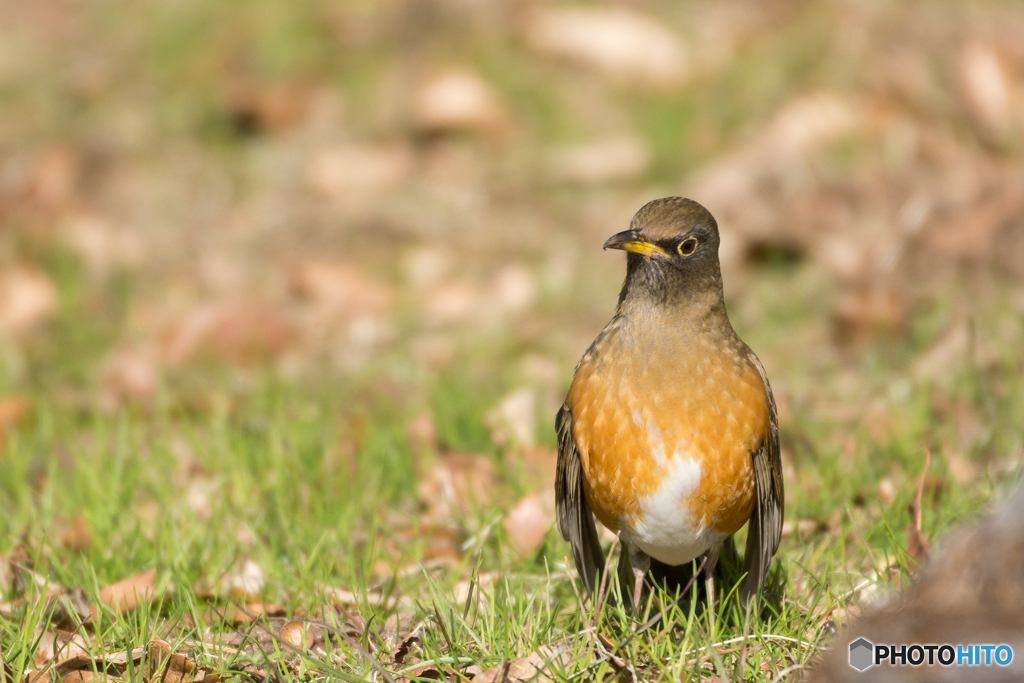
709	581
640	563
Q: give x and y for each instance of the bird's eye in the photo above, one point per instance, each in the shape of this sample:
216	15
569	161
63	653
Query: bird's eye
688	246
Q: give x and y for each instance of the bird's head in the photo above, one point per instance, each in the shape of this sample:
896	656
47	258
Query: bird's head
673	248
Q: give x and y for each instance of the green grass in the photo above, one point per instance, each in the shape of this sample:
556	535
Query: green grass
310	474
316	490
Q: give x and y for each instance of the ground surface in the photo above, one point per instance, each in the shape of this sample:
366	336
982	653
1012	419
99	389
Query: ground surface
290	293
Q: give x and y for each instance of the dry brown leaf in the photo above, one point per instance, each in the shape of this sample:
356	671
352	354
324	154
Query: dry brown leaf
28	299
620	42
59	645
449	302
352	173
421	437
527	524
986	89
245	583
801	527
514	420
179	669
54	176
239	332
616	159
12	411
457	100
459	483
535	667
127	594
77	537
863	313
86	676
245	614
341	288
129	375
101	246
260	107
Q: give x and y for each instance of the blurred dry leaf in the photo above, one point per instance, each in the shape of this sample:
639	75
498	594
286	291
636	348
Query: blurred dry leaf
460	482
245	583
343	596
129	375
480	583
515	288
101	246
12	411
348	173
28	298
514	420
863	313
78	536
620	42
127	594
616	159
239	332
341	288
433	350
957	464
946	354
537	667
58	645
457	100
985	89
802	527
421	437
450	302
425	266
886	491
54	177
527	524
258	107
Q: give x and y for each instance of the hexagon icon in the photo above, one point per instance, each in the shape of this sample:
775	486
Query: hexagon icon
862	654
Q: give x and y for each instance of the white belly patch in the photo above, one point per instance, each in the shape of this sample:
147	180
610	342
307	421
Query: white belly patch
665	530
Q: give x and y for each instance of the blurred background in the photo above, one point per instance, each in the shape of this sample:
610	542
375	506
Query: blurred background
390	213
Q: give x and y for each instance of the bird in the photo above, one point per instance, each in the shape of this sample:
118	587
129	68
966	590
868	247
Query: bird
669	433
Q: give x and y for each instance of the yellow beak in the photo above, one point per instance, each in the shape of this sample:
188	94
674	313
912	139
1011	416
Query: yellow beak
632	240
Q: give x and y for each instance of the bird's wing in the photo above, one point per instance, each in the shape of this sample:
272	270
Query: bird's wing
766	523
575	521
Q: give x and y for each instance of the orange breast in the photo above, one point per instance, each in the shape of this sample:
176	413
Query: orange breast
633	412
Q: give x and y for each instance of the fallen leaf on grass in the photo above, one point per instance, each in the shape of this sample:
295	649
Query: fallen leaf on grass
12	411
457	100
127	594
237	615
460	482
526	524
245	583
620	42
58	645
514	420
77	537
28	298
239	332
534	667
344	597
